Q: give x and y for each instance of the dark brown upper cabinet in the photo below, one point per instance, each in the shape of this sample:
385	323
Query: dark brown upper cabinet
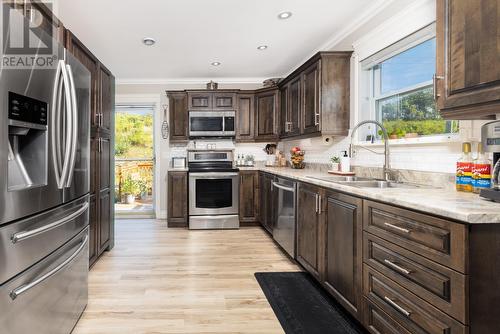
310	114
178	115
266	114
467	81
318	101
200	101
245	113
224	100
212	100
291	108
80	51
106	99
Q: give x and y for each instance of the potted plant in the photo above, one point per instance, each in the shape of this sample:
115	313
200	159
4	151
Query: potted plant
334	163
143	188
130	189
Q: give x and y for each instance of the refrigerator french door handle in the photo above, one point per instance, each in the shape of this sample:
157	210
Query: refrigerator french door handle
55	123
20	236
74	125
69	126
23	288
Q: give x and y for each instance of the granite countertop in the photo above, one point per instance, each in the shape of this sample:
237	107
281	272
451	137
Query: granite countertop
465	207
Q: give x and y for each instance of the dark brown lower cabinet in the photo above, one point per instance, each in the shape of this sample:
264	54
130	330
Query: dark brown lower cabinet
266	201
310	229
249	197
177	199
105	219
93	235
344	259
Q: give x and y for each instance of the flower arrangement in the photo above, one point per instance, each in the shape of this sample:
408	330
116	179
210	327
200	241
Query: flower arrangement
297	158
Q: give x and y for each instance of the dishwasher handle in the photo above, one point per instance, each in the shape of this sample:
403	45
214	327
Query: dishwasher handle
280	186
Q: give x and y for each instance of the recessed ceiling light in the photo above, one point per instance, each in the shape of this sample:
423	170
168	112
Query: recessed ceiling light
262	47
216	63
284	15
149	41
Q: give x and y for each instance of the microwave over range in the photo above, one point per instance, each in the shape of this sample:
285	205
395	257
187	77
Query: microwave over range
204	124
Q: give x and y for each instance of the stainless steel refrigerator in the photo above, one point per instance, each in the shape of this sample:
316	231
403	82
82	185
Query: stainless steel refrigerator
44	186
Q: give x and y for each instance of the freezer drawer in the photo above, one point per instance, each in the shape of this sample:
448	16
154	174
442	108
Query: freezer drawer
28	241
49	297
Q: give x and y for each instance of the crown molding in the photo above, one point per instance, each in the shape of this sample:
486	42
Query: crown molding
370	12
188	81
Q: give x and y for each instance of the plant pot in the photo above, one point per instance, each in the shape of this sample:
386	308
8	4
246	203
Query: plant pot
334	166
411	135
129	199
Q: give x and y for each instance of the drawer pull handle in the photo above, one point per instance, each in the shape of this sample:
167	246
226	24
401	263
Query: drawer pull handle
398	268
396	306
23	288
405	230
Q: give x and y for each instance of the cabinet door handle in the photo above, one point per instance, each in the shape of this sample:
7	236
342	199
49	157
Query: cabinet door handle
401	229
435	78
396	306
317	202
398	268
316	119
320	200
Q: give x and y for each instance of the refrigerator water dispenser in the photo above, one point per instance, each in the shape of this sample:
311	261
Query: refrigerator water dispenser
27	151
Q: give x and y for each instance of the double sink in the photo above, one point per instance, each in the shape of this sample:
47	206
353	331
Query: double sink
364	182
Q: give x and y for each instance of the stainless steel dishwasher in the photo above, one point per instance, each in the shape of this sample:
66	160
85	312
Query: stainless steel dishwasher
284	219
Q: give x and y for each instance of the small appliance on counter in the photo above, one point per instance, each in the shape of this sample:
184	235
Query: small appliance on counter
178	162
213	190
490	137
270	149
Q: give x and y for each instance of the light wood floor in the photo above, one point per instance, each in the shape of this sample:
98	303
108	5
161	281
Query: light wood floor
160	280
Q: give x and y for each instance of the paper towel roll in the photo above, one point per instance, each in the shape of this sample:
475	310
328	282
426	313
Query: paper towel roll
327	140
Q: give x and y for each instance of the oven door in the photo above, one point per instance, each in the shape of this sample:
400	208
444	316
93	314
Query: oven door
213	193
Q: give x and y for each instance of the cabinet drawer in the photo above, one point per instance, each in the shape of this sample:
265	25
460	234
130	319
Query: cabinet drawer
436	284
411	312
378	322
437	239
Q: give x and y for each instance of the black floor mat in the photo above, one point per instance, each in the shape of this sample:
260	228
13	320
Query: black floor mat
302	306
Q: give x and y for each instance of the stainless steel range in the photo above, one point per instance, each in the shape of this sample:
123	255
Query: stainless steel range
213	190
44	186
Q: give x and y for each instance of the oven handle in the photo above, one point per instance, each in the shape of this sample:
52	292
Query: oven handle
212	176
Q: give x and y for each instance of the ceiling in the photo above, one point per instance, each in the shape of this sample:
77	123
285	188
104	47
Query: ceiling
191	34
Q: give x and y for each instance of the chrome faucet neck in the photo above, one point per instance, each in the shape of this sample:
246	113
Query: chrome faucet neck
387	162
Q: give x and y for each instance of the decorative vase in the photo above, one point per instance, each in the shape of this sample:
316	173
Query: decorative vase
334	166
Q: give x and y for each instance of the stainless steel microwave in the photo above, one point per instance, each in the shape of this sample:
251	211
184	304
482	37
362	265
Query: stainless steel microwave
211	124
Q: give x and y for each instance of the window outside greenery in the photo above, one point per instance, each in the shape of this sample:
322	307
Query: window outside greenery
403	94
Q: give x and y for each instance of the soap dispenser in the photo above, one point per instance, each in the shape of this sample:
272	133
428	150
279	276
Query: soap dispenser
345	162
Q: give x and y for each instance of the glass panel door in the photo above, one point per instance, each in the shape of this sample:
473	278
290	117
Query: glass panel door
134	161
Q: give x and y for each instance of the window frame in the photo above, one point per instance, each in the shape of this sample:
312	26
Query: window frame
371	67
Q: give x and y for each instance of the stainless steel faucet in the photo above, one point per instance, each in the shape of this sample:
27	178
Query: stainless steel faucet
387	162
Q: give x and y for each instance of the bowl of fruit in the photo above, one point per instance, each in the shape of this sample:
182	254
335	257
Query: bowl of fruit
297	158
